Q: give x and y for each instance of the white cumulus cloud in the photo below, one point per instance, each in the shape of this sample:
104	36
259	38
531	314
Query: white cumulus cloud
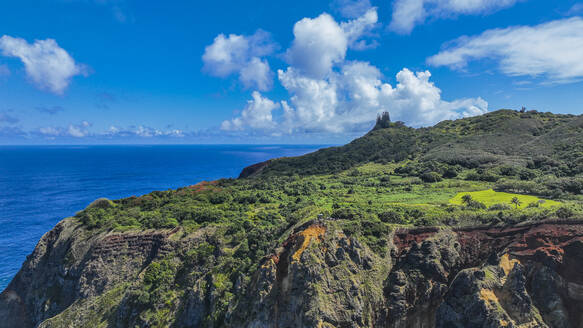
552	50
329	94
257	73
256	115
241	54
409	13
320	43
49	66
349	100
417	101
315	100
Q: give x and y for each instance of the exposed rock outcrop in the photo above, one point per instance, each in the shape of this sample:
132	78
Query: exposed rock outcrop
69	264
520	276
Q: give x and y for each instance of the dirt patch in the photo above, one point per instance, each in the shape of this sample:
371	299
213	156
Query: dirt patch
506	263
312	232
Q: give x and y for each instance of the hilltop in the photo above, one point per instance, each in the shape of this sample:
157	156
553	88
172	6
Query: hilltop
448	226
526	139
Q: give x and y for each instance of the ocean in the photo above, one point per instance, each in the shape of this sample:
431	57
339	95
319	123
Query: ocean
40	185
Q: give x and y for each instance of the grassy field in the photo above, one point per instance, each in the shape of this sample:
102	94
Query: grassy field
490	197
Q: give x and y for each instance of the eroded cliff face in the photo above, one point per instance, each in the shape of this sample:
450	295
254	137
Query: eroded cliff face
522	276
528	275
69	264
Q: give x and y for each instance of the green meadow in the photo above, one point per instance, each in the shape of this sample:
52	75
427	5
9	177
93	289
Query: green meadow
490	197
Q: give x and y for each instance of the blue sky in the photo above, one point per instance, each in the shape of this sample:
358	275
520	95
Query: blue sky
122	71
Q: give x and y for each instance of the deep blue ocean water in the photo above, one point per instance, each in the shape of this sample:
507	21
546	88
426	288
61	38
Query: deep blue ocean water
40	185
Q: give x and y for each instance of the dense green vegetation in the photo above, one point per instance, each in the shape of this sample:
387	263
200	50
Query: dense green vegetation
542	142
501	168
392	175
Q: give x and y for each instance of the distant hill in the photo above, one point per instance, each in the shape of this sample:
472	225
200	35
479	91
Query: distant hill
541	140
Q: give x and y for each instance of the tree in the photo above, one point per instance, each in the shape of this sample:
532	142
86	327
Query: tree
430	177
383	121
516	201
467	199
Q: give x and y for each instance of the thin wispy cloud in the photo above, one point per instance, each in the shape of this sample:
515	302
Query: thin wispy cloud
51	110
351	8
119	9
576	9
12	131
84	129
409	13
551	50
79	130
105	100
142	132
7	118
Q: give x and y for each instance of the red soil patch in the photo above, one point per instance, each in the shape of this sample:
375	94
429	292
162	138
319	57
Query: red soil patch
552	242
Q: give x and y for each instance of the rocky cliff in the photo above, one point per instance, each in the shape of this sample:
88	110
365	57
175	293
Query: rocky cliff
526	275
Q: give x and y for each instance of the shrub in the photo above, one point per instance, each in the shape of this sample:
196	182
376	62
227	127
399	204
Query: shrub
508	170
206	214
424	221
564	212
430	177
346	214
521	187
475	205
482	176
391	217
354	173
414	214
499	207
450	173
160	222
243	249
103	203
219	197
159	274
246	198
201	254
526	174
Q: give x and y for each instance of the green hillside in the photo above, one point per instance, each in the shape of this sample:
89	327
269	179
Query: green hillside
550	143
392	175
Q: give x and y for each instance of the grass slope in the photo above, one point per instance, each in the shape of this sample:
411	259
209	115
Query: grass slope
490	197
